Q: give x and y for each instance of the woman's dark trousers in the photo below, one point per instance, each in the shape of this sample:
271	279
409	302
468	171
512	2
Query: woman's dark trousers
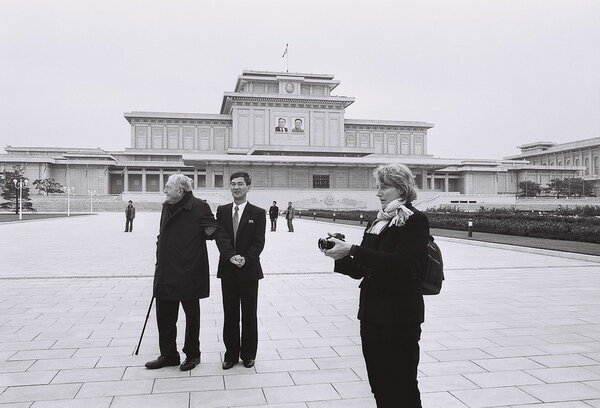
392	355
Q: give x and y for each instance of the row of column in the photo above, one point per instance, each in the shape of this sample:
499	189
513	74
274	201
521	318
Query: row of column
161	181
431	184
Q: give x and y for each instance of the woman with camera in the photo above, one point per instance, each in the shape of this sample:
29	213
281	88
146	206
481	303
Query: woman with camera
390	261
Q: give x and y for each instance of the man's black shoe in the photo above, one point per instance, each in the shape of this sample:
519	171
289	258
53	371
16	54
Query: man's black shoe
161	362
248	363
227	365
189	363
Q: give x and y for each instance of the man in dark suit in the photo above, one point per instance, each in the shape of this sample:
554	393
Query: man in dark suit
273	214
281	125
245	224
181	271
129	216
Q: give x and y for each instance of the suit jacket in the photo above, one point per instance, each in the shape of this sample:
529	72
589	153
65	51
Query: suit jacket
130	212
289	213
181	271
390	265
273	212
249	243
281	129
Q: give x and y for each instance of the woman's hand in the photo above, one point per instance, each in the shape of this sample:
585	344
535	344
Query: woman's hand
340	250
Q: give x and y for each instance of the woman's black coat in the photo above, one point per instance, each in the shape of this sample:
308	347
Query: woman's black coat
390	265
181	256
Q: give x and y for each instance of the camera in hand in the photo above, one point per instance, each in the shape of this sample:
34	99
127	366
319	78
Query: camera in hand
325	243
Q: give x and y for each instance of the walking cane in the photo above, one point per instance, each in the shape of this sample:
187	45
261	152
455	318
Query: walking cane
137	350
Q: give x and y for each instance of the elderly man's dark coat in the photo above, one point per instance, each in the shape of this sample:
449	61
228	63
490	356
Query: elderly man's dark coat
181	256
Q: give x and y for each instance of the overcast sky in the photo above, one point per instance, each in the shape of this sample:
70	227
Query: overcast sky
490	75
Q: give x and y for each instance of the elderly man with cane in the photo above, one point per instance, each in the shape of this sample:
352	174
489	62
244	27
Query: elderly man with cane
181	273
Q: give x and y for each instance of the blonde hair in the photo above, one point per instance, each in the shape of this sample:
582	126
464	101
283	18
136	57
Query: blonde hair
399	176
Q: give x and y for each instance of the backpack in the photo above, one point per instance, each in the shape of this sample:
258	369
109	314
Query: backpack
433	275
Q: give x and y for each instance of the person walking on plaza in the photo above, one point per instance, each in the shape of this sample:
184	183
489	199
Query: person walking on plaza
181	271
289	216
129	216
245	224
390	261
273	214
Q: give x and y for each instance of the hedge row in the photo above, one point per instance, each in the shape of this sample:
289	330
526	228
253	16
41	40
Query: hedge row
549	225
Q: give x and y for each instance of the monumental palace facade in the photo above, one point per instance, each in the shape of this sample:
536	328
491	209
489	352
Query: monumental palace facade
289	131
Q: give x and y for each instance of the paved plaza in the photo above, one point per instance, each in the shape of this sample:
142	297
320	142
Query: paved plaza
513	327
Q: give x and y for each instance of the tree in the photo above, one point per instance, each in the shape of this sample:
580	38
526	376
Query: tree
530	188
557	186
48	186
10	192
579	187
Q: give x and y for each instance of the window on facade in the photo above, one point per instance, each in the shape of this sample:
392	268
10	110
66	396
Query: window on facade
218	180
320	181
201	180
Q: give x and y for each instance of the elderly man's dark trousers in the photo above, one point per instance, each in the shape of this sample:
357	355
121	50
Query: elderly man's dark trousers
166	317
392	355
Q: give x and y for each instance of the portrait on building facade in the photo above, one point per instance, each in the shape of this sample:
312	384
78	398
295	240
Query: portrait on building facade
298	125
281	125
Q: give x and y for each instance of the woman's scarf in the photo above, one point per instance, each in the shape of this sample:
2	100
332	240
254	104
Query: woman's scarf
394	213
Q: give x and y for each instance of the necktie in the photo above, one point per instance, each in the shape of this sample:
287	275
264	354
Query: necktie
236	221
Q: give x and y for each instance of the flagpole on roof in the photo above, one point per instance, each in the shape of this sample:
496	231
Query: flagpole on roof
287	58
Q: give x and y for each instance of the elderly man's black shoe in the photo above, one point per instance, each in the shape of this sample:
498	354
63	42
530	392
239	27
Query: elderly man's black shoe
227	365
189	363
161	362
248	363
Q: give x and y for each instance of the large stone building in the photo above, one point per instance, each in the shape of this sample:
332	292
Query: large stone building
582	153
290	132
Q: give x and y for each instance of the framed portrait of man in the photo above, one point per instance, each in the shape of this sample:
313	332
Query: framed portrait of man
298	125
281	125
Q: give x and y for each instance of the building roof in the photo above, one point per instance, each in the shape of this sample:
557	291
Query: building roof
556	148
395	123
175	115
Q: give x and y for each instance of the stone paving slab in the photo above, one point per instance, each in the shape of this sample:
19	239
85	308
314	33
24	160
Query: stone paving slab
510	329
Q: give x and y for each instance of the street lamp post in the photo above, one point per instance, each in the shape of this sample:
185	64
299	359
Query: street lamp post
91	193
69	192
19	184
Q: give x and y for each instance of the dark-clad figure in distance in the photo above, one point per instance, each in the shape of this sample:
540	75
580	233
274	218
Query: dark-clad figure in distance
281	125
129	216
273	214
181	272
290	212
390	262
245	224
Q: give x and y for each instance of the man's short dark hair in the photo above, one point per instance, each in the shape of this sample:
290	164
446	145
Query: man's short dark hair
243	174
130	201
274	202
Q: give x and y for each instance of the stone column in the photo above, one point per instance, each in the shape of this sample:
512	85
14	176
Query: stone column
195	178
446	183
161	181
144	190
432	182
424	179
125	180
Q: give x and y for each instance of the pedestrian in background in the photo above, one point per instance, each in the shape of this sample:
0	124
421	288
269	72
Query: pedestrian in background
129	216
273	214
289	216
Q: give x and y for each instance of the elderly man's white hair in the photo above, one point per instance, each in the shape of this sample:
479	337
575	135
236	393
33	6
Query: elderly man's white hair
183	182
